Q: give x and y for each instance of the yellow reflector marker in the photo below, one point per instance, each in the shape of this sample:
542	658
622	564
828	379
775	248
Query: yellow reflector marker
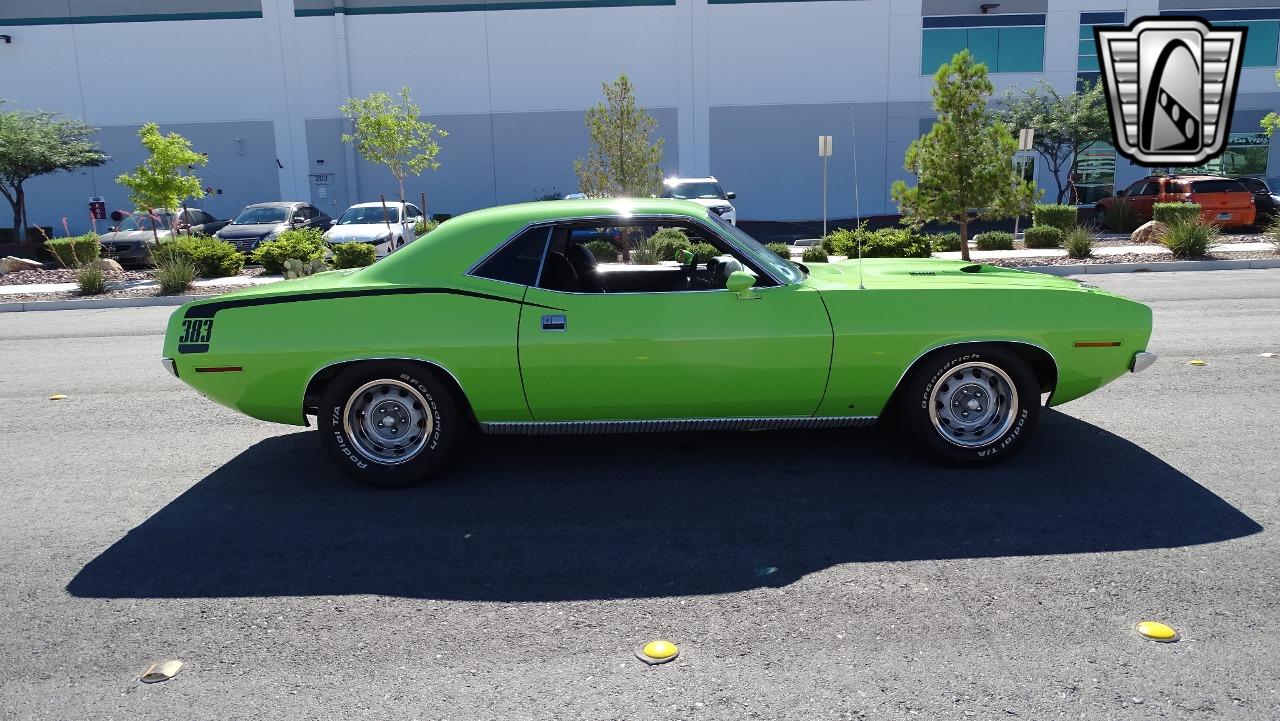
1196	362
57	397
657	652
1157	631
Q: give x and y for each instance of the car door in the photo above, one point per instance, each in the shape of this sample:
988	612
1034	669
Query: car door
1143	197
411	217
665	341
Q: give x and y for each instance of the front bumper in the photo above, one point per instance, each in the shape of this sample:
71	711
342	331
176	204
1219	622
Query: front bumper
127	253
1142	360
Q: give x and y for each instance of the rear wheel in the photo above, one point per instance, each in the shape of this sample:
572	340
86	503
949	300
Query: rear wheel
972	405
388	423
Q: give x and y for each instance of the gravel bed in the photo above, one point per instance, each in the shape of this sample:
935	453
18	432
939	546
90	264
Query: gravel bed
63	275
1126	258
134	293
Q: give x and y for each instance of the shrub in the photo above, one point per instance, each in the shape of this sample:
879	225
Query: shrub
703	252
946	242
294	268
994	240
1062	217
603	250
668	241
644	253
1043	236
91	279
75	251
1273	233
1189	239
782	250
1079	242
814	254
1120	217
353	255
175	274
895	243
212	257
840	240
304	244
1174	213
424	226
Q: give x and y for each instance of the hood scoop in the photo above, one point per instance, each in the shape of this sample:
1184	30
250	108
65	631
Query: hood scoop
975	268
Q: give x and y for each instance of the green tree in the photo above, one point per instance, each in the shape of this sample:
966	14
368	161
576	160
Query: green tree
1065	125
621	162
393	134
166	178
964	164
1272	120
35	143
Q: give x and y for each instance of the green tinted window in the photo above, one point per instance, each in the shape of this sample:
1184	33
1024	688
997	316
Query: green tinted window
1021	50
939	46
1003	50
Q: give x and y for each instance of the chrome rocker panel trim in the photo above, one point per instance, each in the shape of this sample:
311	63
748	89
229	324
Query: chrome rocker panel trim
670	425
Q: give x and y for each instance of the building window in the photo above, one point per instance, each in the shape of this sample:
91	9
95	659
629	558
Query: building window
1095	174
1087	69
1263	39
1005	43
1246	154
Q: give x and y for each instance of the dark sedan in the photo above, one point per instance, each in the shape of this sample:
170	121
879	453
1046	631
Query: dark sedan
264	221
1265	197
130	242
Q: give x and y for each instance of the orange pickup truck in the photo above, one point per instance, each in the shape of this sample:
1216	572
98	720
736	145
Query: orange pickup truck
1223	201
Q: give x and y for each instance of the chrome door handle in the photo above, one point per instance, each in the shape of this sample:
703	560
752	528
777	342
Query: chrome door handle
554	322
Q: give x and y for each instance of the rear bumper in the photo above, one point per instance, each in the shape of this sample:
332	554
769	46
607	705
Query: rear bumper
1142	360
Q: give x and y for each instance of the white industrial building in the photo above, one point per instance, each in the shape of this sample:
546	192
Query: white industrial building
740	88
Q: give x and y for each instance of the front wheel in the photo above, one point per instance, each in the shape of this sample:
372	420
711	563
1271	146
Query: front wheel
972	405
388	423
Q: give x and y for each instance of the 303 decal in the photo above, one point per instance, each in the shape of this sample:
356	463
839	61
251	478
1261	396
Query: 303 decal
196	330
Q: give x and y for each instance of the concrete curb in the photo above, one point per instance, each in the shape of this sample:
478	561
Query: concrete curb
1153	267
91	303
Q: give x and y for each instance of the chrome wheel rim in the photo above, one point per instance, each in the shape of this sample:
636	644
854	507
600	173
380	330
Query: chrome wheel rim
973	405
388	421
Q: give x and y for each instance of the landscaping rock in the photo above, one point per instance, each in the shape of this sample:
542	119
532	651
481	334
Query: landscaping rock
10	264
1149	232
110	265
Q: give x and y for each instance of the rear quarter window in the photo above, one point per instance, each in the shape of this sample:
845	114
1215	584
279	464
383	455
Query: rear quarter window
1217	186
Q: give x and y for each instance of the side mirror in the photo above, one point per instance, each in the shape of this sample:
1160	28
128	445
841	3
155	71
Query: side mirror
299	219
112	229
684	257
730	196
741	282
1120	193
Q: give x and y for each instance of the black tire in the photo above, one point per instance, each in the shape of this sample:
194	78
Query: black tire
430	422
954	371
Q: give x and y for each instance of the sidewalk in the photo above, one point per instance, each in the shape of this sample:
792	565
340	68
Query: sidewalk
234	281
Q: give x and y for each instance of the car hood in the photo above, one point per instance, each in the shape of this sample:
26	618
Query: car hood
712	202
240	232
357	231
925	273
130	236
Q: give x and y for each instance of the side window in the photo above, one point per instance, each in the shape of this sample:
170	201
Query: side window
517	261
412	212
639	257
1148	188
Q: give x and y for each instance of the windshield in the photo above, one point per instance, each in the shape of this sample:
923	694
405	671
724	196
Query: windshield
705	190
783	270
370	214
141	221
257	216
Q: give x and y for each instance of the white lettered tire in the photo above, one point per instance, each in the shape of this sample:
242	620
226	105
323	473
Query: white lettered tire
971	405
388	423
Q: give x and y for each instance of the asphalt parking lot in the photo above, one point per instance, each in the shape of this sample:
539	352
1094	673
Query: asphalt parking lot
805	575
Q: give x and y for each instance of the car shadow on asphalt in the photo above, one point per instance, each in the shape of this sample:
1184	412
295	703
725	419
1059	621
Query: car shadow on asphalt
544	519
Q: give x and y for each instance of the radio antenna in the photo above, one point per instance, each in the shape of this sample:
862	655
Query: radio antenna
857	201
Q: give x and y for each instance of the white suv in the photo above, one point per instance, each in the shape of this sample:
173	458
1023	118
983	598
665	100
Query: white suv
704	191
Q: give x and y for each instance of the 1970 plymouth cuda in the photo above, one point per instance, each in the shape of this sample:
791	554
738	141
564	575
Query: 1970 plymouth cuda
592	316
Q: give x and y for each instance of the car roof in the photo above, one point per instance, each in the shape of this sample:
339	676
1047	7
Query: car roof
378	204
1196	176
275	204
673	181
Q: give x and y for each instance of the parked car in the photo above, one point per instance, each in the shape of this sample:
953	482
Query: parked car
508	323
264	221
1223	201
131	241
1265	200
703	191
384	226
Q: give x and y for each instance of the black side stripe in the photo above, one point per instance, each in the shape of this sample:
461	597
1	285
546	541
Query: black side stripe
208	310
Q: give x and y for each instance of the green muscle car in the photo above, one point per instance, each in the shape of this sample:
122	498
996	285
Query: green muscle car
603	316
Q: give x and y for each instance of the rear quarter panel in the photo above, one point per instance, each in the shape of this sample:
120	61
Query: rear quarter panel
281	346
880	333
